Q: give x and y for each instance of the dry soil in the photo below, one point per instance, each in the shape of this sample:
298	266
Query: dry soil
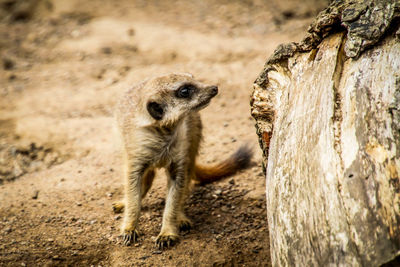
64	65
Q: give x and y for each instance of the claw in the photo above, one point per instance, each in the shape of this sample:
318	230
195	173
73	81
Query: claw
166	241
129	237
185	226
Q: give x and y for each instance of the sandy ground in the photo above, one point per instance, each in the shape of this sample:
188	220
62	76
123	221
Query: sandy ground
64	65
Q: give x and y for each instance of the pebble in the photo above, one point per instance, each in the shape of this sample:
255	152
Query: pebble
8	64
106	50
131	32
35	194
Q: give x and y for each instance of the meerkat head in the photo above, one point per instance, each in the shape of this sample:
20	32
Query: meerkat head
169	98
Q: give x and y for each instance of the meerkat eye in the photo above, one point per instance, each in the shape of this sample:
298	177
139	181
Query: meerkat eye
185	91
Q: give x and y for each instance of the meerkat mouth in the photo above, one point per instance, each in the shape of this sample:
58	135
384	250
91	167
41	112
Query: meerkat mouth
202	104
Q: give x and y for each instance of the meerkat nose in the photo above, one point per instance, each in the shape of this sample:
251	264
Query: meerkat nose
214	90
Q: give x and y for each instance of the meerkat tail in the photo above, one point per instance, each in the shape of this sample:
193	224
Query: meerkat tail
237	161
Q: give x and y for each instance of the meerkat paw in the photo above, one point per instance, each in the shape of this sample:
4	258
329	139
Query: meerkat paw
166	240
129	236
118	207
185	224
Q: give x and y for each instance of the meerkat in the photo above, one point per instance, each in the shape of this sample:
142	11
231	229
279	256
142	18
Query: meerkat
160	127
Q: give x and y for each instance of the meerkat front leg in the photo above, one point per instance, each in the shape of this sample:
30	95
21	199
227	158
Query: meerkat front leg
133	196
178	182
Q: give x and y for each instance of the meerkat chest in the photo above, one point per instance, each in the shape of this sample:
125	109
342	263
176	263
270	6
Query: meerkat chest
172	143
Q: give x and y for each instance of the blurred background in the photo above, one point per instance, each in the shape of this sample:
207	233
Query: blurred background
64	65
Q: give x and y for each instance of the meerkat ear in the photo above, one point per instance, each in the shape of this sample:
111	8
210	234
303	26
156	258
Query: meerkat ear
155	110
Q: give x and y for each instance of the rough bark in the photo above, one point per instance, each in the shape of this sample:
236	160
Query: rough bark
328	119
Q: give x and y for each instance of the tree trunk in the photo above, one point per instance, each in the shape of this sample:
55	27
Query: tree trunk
328	120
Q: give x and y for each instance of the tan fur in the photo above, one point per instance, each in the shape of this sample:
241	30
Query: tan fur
160	128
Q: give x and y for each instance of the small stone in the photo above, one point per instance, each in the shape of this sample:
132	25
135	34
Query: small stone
12	77
157	252
218	237
93	222
118	217
78	204
131	32
106	50
35	194
8	64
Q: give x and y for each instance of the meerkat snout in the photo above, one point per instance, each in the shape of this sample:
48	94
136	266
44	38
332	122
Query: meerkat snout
214	90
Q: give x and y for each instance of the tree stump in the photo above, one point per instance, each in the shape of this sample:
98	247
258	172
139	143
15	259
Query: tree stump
327	114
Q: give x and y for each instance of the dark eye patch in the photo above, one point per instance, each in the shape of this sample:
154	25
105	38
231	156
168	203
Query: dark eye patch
185	91
156	110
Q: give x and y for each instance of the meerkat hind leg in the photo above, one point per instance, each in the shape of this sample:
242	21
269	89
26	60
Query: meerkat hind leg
184	223
147	182
118	206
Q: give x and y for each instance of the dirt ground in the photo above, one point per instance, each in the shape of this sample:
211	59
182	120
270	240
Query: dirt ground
63	66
